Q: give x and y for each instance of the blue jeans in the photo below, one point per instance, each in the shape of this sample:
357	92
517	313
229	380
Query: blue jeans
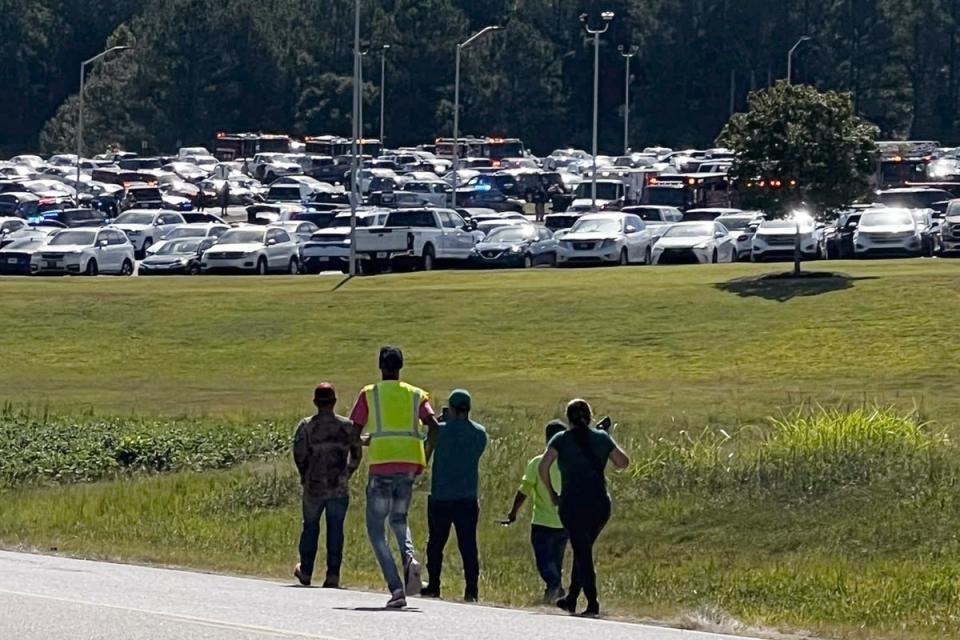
549	547
313	509
389	497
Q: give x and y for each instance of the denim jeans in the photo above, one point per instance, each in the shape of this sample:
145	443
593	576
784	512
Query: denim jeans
313	509
463	516
549	547
388	497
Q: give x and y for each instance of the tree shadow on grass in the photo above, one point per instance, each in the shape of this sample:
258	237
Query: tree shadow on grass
782	287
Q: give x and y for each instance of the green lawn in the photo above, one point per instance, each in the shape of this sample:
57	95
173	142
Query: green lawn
830	535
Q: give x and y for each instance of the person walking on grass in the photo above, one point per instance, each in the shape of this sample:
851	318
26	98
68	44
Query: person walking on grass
327	451
393	414
453	498
547	535
582	453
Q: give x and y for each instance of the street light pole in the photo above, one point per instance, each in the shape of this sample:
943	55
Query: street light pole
627	53
354	164
383	86
360	105
83	66
607	16
456	105
790	57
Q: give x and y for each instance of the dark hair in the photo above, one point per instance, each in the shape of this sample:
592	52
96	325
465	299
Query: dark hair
553	428
391	358
579	415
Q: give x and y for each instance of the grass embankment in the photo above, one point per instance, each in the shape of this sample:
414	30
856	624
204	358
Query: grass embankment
845	524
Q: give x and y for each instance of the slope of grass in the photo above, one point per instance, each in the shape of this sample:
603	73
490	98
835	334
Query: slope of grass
670	347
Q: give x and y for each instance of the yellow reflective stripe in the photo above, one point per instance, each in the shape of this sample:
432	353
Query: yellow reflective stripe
377	410
416	414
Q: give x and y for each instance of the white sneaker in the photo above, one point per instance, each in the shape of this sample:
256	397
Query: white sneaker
397	600
412	577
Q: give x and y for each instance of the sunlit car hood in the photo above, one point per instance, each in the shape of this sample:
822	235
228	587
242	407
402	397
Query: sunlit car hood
500	246
133	227
591	236
783	232
682	243
27	245
240	246
66	248
887	228
167	258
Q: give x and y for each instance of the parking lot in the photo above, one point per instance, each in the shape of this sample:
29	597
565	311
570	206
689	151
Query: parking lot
271	204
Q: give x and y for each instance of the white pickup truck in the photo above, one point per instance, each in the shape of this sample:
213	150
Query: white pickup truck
418	238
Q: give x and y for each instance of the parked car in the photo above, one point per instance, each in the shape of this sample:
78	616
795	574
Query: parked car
657	218
838	236
141	196
522	245
612	238
950	229
435	193
776	240
19	204
329	247
887	231
254	249
73	218
912	197
85	251
415	237
695	243
176	257
188	230
742	226
145	227
10	225
299	230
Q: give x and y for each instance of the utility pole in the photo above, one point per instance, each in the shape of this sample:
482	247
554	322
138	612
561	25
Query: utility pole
606	16
790	57
383	88
627	53
83	66
355	162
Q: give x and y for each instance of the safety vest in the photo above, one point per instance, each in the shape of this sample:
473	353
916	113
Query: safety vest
394	423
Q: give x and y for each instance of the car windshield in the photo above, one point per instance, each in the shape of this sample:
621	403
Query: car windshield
187	232
597	225
605	190
689	231
180	247
885	218
734	224
132	217
145	194
74	237
786	224
242	236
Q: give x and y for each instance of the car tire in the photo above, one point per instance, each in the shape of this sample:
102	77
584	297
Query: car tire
146	245
624	257
428	261
734	257
92	268
194	270
294	268
126	269
262	267
554	261
527	261
715	257
648	256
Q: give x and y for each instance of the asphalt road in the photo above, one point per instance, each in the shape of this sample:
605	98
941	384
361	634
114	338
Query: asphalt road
43	597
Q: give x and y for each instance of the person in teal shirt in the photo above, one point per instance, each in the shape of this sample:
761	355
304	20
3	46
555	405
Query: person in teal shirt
453	498
547	535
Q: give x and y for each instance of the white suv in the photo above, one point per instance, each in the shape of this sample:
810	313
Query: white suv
615	238
253	248
85	251
145	227
887	232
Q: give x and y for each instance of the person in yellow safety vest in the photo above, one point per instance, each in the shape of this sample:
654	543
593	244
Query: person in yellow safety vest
394	414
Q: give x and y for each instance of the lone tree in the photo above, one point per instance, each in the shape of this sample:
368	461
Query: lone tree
799	147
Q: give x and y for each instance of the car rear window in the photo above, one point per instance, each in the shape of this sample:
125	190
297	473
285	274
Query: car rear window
411	218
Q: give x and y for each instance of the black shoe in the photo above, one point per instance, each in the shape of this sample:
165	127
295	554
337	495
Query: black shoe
331	582
568	605
430	591
592	611
470	595
301	576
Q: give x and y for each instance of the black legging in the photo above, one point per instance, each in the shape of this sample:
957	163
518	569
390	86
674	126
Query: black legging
584	520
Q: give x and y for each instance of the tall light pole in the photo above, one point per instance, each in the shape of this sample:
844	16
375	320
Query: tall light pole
354	164
83	66
360	104
790	57
383	86
627	53
606	16
456	105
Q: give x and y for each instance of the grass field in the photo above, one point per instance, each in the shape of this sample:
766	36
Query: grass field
851	535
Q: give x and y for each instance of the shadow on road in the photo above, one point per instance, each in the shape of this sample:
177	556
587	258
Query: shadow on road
378	609
782	287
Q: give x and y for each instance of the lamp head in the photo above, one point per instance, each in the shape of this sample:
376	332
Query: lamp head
607	16
584	17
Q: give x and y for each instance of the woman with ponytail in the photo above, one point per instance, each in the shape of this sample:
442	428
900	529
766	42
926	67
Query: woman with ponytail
582	453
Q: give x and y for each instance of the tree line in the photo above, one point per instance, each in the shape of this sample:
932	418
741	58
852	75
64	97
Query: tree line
199	66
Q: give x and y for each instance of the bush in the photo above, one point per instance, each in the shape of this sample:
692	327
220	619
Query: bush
49	448
804	454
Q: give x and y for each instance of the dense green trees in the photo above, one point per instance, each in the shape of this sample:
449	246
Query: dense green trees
204	65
